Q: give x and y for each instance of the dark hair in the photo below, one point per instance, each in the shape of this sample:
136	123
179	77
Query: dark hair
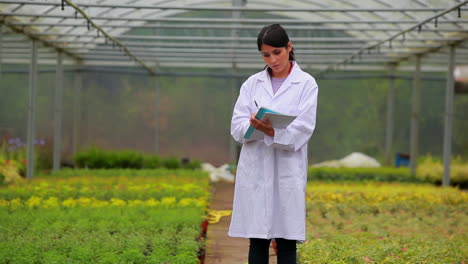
274	35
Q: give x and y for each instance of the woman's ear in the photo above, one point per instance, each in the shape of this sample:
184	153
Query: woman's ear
289	46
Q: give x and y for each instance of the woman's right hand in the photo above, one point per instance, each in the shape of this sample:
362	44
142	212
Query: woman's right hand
264	126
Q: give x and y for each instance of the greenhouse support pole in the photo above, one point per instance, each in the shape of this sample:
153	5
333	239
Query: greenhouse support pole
156	81
390	117
32	111
234	93
58	113
415	116
77	111
449	94
1	49
235	84
157	87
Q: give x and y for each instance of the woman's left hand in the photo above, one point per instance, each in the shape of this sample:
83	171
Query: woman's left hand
264	126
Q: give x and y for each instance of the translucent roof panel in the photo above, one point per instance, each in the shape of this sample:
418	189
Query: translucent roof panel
327	35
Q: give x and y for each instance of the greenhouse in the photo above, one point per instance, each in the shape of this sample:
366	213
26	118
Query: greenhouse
115	128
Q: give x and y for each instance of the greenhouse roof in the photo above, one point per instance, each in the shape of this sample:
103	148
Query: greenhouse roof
338	34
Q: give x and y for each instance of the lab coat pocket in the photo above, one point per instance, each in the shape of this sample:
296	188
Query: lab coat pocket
248	166
290	169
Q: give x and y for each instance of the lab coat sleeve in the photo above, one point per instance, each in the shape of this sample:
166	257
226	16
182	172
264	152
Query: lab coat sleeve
298	133
241	115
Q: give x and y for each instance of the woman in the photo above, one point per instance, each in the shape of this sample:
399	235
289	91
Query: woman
269	198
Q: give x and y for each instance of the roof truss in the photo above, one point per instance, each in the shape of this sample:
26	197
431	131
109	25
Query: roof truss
366	34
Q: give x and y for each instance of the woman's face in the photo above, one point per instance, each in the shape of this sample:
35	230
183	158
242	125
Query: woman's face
277	59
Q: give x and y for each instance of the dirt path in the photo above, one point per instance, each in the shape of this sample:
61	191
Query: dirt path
220	248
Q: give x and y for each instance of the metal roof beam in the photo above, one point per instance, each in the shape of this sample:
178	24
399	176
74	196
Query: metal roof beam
330	46
152	58
246	39
233	8
234	26
376	46
29	32
230	20
228	53
107	36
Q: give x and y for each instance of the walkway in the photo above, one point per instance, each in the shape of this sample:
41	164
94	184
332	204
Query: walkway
220	248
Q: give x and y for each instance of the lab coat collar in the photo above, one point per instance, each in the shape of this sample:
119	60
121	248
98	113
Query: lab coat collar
292	78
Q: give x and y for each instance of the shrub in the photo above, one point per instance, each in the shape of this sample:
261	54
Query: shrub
93	158
382	174
431	169
129	159
193	165
171	163
96	158
151	162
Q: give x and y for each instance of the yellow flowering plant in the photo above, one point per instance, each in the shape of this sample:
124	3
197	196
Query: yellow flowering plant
73	214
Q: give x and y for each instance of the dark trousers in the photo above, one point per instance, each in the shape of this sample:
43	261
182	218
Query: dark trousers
259	251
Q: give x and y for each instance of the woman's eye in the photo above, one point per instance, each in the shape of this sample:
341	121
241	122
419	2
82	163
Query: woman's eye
276	52
266	55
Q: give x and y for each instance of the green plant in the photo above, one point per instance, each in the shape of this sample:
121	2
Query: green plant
382	174
171	163
431	169
97	158
384	223
41	225
193	165
151	162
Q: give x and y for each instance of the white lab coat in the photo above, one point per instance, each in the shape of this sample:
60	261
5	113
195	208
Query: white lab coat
269	197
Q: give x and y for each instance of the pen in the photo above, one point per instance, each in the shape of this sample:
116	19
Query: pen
256	103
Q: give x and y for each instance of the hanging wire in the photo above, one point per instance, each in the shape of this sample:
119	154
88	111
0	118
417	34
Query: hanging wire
390	43
435	22
88	24
76	14
403	37
63	5
419	29
459	12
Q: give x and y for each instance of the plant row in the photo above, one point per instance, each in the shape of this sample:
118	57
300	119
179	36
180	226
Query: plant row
96	158
137	216
385	223
108	184
101	235
425	173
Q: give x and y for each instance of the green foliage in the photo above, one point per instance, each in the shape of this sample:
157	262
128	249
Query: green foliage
105	235
160	183
431	169
382	174
171	163
193	165
385	223
151	162
15	156
97	158
128	159
115	233
153	173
